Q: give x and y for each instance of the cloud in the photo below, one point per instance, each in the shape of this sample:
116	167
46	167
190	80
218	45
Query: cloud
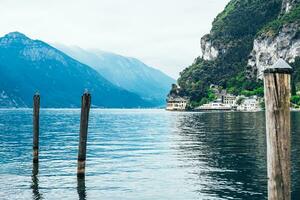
163	33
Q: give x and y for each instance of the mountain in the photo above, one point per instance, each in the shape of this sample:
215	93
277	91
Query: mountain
27	66
246	37
278	39
128	73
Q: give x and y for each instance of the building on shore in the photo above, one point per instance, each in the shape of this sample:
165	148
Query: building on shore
249	104
216	105
176	104
221	94
223	102
229	99
227	102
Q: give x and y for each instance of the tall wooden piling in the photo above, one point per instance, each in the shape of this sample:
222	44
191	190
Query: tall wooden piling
277	100
36	124
85	109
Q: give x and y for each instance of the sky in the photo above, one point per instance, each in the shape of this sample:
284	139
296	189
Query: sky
164	34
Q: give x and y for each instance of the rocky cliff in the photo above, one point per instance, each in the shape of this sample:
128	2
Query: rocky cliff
246	36
209	50
279	39
225	50
287	5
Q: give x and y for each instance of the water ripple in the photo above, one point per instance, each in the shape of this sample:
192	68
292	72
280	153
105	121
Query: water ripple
139	154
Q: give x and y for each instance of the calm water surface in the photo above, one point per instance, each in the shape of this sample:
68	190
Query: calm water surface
140	154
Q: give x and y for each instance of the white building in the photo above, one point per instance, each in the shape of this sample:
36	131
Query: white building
176	104
229	100
250	104
215	105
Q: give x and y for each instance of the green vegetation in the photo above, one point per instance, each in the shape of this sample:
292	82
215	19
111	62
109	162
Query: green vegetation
296	76
245	17
273	28
233	33
240	100
257	91
211	95
262	105
241	85
295	99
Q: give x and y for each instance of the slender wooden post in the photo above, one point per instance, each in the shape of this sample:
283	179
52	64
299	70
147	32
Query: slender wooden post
277	99
36	121
85	109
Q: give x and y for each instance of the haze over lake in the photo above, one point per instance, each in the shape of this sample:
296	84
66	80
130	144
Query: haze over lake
140	154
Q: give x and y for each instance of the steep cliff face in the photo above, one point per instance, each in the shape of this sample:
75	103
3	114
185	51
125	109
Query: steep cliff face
225	50
211	51
279	39
267	50
246	37
287	5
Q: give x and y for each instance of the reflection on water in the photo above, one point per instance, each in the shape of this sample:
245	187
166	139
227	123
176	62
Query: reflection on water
35	188
228	152
81	188
35	181
140	154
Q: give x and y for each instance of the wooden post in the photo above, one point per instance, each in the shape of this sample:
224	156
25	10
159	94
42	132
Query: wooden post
277	99
85	109
36	121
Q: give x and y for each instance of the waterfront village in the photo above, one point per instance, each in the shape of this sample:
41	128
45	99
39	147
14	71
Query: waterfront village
223	102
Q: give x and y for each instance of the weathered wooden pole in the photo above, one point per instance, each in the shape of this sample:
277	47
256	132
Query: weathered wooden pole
85	109
277	99
36	121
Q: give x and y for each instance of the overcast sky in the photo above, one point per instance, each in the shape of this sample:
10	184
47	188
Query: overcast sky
164	34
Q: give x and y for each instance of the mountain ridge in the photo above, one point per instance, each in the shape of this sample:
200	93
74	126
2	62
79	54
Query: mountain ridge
28	66
126	72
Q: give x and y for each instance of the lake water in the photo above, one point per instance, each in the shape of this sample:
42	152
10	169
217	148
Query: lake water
140	155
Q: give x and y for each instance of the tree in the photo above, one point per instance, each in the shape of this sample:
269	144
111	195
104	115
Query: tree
240	100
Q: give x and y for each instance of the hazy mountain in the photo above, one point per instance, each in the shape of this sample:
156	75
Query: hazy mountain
128	73
27	66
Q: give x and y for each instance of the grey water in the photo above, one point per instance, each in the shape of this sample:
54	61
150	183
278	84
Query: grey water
140	154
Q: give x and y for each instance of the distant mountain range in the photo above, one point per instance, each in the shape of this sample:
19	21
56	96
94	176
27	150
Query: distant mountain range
27	66
128	73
